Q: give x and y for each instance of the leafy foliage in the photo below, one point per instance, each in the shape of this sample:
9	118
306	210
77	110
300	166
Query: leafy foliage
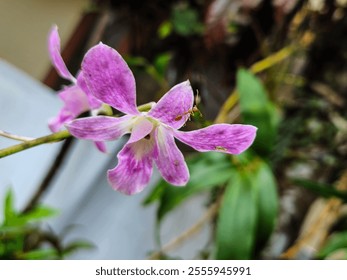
249	205
323	190
21	237
336	242
156	69
248	212
237	220
208	170
184	21
258	110
267	202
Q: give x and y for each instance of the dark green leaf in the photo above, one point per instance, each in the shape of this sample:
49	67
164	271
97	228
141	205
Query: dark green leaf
136	61
206	178
195	162
186	21
256	109
321	189
207	170
267	202
146	66
236	226
161	63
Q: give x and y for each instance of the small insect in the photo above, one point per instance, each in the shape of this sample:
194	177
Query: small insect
191	112
178	118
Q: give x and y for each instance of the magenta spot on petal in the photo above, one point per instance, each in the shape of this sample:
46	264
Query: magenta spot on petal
169	178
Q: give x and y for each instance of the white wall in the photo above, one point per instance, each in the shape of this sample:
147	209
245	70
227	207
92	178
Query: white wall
24	25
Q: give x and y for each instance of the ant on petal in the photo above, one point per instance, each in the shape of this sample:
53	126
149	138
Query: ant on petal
192	111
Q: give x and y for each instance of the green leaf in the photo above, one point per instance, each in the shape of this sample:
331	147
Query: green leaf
150	69
195	161
253	96
156	193
77	245
186	21
136	61
201	180
256	109
207	170
321	189
335	242
161	63
9	211
40	254
39	213
165	29
13	231
267	202
236	225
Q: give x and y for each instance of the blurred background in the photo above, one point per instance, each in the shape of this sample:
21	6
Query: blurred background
279	65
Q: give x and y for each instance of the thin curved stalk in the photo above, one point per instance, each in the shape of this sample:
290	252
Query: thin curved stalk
51	138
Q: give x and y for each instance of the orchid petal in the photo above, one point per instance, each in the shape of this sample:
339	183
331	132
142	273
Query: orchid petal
101	146
54	52
170	161
110	79
92	101
232	139
74	100
75	103
173	108
141	128
56	123
100	128
135	166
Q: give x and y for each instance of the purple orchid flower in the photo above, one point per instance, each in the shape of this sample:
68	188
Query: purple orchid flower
76	97
153	133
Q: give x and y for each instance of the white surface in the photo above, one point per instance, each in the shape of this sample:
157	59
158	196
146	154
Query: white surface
24	27
25	106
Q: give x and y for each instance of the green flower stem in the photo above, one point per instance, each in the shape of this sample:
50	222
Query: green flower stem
55	137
